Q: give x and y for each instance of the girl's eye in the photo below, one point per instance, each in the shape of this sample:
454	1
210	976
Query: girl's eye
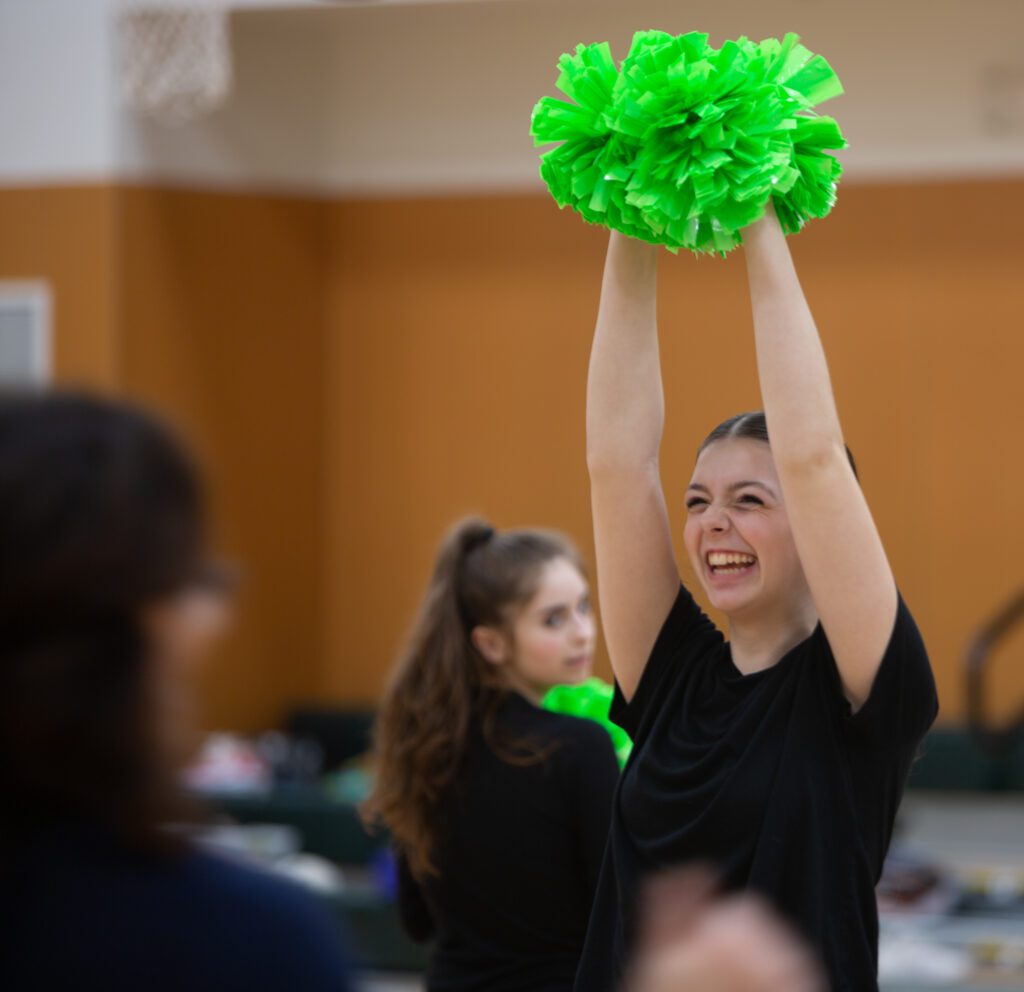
695	503
585	607
751	499
553	620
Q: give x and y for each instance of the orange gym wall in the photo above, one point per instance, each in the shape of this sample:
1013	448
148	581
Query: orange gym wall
68	237
459	338
222	318
358	374
208	307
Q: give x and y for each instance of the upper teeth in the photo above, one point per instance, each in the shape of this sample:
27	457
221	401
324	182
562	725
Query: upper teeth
729	558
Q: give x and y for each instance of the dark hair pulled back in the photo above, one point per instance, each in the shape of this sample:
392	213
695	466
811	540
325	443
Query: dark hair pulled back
752	426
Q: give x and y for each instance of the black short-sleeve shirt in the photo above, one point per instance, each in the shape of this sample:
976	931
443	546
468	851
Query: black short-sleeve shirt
768	776
520	848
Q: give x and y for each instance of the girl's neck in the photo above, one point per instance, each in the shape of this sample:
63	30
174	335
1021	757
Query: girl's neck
759	641
521	687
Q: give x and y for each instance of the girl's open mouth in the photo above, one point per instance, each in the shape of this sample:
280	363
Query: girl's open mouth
727	564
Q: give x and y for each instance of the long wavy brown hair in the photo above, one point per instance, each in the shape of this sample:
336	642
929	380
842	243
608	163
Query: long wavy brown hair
439	683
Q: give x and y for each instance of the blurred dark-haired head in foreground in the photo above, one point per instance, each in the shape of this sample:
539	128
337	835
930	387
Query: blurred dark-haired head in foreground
107	603
102	596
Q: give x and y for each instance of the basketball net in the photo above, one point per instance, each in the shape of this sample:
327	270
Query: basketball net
175	59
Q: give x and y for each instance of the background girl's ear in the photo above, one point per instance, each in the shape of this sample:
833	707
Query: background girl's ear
491	643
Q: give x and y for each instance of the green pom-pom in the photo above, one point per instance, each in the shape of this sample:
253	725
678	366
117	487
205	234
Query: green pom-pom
685	144
592	700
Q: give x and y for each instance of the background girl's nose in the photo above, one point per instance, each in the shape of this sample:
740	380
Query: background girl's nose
584	625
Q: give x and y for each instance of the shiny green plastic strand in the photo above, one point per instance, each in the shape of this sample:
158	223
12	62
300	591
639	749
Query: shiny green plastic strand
685	144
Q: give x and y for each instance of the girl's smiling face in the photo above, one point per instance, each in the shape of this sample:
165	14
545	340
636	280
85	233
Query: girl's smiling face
737	533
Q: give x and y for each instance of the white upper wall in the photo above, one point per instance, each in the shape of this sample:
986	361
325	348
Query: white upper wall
428	97
57	121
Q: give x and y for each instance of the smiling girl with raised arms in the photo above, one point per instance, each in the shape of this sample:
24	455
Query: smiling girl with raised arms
780	753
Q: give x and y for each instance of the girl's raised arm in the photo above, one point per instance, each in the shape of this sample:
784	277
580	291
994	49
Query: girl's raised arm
638	578
839	547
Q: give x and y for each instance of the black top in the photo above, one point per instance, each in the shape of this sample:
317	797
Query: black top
519	855
78	911
770	777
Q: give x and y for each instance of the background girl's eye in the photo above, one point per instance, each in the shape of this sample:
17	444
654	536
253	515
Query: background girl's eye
553	619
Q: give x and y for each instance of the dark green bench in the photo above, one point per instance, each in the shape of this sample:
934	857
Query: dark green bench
375	939
951	760
329	827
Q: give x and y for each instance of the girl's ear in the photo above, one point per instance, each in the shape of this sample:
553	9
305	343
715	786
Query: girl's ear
491	643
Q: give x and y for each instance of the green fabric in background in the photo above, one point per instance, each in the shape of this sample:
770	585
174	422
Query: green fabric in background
592	700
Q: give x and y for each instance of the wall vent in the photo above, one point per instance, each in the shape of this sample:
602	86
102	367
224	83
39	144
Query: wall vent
25	346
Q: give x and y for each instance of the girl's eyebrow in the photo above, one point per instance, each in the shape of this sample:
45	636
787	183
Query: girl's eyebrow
555	607
734	486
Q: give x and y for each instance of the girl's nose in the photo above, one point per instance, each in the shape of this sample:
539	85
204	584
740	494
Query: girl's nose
583	626
715	520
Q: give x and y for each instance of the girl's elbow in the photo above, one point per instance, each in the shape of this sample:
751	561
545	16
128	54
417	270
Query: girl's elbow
811	456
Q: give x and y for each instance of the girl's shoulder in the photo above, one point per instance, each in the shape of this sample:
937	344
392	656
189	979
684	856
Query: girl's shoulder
567	739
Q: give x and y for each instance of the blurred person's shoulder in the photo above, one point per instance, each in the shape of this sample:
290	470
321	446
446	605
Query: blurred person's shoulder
286	930
191	919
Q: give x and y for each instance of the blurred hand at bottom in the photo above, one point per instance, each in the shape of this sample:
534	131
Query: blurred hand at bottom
692	942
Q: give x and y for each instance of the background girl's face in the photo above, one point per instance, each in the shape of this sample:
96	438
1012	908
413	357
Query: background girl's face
737	533
552	636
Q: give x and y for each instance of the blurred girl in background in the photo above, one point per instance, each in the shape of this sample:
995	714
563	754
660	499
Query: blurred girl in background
499	809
